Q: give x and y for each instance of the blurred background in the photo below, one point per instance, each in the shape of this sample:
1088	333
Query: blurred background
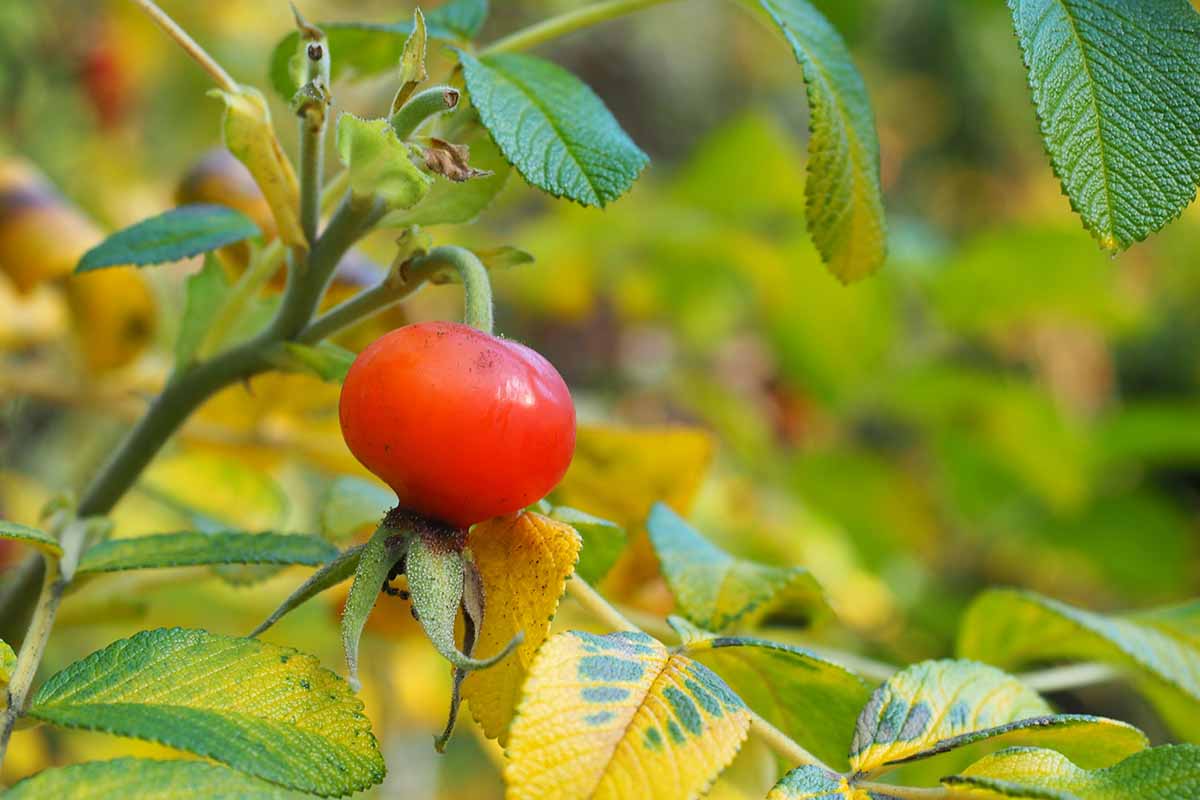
1004	404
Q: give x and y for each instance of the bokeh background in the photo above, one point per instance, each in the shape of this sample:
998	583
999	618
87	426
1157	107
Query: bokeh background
1004	404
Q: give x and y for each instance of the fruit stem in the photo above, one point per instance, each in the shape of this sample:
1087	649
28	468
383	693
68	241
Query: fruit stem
420	107
477	289
566	23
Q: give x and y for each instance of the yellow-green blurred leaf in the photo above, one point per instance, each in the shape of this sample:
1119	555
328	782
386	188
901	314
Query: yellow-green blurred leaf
146	778
216	492
524	562
269	711
618	716
717	591
379	163
351	504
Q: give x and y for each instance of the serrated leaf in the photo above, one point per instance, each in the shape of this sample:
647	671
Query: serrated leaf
190	549
462	18
1115	87
205	294
524	562
1163	773
177	234
146	779
249	135
350	504
619	473
811	782
617	716
553	128
269	711
845	201
603	541
33	537
333	573
324	360
384	549
1011	628
452	203
379	163
811	699
717	591
936	706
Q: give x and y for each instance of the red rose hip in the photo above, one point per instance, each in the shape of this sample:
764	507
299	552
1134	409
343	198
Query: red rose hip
462	425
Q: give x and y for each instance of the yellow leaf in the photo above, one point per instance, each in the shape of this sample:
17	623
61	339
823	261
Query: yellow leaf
524	562
619	473
250	136
619	716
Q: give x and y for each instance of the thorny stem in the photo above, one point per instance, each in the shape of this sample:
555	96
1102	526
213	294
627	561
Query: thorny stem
566	23
172	29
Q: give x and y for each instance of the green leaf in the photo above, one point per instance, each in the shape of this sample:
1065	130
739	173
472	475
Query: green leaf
325	360
1115	84
30	536
811	699
148	780
1163	773
192	549
454	203
8	661
1180	621
811	782
379	163
462	18
553	128
620	716
333	573
175	235
936	706
1012	628
717	591
268	711
603	541
384	549
350	504
206	291
845	201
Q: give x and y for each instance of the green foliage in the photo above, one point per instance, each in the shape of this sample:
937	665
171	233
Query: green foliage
1164	773
1010	628
30	536
452	203
719	592
192	549
603	541
172	236
379	163
268	711
145	778
553	128
1115	86
845	202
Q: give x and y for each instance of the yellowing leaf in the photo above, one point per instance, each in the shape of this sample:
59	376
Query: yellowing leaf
619	473
524	562
618	716
265	710
250	136
936	706
31	536
815	783
717	591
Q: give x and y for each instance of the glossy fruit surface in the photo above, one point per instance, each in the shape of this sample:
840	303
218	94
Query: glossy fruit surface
462	425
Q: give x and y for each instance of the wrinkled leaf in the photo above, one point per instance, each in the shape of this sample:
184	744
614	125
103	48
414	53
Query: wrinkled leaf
524	562
845	201
379	163
146	779
1114	84
717	591
30	536
1012	628
618	716
195	549
177	234
268	711
1163	773
553	128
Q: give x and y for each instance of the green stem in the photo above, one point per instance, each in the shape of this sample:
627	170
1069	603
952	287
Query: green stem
597	606
477	289
312	131
420	107
566	23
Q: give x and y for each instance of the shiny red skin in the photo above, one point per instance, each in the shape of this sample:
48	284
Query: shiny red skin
462	425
